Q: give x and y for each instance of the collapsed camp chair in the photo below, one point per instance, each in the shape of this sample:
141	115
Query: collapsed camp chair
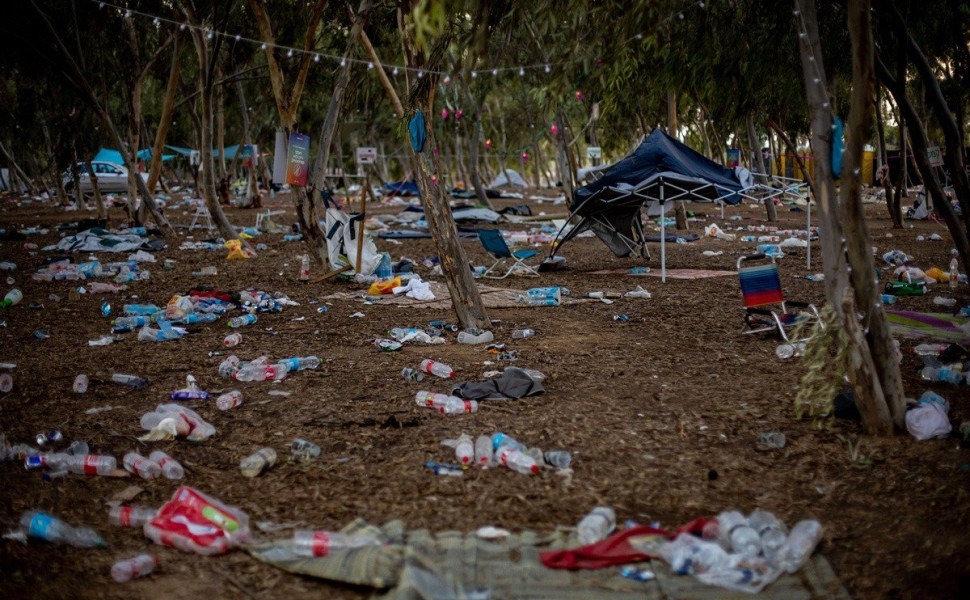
761	288
494	244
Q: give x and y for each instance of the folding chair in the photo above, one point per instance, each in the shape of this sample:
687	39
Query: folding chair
761	289
494	244
201	213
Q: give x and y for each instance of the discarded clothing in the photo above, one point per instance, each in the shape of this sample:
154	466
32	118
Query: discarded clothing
514	383
99	240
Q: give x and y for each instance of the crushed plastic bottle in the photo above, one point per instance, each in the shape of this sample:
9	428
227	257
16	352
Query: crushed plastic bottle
137	566
596	526
737	535
519	334
475	336
436	368
801	542
229	400
261	460
772	532
171	468
141	466
304	449
131	516
41	525
233	339
321	543
517	460
559	459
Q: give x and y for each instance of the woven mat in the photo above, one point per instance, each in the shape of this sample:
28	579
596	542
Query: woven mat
936	326
492	297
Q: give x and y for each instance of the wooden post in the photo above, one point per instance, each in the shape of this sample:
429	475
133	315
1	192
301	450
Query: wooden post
363	216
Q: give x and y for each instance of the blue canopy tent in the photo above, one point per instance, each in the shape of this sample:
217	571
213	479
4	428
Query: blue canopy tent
114	157
402	188
659	171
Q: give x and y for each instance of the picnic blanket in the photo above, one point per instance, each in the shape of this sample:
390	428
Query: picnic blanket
671	273
938	326
492	297
100	240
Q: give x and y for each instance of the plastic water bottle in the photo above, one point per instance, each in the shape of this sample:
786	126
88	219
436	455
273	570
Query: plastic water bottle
41	525
943	374
436	368
92	464
131	516
457	406
954	271
500	439
519	334
13	297
771	531
517	460
539	300
304	448
737	535
141	466
242	321
229	366
233	339
321	543
599	523
431	399
229	400
484	454
301	363
465	449
257	462
194	318
560	459
801	542
140	309
171	468
133	322
138	566
305	267
130	380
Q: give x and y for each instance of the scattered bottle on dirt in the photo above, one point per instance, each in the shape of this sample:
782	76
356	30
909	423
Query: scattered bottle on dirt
457	406
559	459
599	523
519	334
301	363
6	383
771	530
80	385
737	535
191	391
131	516
229	400
138	566
410	374
304	449
242	321
475	336
41	525
464	448
954	271
436	368
517	460
13	297
259	461
484	453
141	466
171	468
92	464
133	381
305	267
321	543
801	542
233	339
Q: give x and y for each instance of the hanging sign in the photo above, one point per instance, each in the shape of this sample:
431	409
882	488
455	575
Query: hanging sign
594	152
298	160
279	158
935	156
195	158
366	156
733	158
249	154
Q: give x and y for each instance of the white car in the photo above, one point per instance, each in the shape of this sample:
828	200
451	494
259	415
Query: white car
112	178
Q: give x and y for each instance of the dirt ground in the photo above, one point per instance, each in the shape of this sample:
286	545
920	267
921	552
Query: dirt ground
662	414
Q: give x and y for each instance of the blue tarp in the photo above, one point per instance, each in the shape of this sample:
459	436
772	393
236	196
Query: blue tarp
114	157
228	151
402	188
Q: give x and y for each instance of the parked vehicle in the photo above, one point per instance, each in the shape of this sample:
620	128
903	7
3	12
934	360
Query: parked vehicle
112	178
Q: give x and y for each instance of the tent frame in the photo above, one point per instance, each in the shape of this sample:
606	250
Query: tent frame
671	187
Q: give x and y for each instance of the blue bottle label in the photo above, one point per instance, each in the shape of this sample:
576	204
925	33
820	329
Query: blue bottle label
39	525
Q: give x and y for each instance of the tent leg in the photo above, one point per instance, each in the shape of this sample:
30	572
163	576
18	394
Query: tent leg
808	232
663	236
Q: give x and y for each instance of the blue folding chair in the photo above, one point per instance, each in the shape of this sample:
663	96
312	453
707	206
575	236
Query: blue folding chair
494	244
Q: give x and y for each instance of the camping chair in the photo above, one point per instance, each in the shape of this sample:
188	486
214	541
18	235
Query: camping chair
494	244
761	288
201	214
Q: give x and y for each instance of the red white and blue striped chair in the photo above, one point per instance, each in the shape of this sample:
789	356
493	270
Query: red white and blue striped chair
765	307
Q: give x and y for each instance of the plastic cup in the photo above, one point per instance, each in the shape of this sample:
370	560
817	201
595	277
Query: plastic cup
81	384
6	383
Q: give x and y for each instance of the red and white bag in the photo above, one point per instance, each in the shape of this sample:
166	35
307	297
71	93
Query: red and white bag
195	522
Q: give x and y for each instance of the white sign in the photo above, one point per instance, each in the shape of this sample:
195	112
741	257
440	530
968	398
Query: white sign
935	156
195	158
594	152
366	156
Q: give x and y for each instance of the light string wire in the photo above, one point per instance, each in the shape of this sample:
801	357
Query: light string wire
290	51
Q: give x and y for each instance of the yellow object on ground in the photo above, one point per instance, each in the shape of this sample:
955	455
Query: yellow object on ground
384	287
235	250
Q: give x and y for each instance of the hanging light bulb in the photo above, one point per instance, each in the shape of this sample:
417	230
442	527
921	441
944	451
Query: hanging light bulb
420	74
101	5
444	114
524	157
488	143
639	36
289	53
238	37
700	4
182	27
548	68
127	14
262	46
343	62
394	72
680	16
208	35
554	130
370	65
316	58
155	21
521	72
494	72
474	74
446	80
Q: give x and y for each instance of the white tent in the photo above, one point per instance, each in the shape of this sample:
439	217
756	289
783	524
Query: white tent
513	179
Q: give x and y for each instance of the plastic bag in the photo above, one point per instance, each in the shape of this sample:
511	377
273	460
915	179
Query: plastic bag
379	288
711	564
235	250
169	421
195	522
929	419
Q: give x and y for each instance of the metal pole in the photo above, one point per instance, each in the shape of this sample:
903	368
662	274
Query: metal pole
663	235
808	230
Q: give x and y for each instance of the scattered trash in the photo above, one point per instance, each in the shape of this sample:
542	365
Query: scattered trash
194	522
597	525
191	391
139	465
257	462
436	368
138	566
229	400
44	526
132	381
772	439
169	421
304	449
6	383
475	336
445	404
81	383
519	334
309	543
386	345
712	253
410	374
928	419
639	292
247	319
171	468
131	516
621	318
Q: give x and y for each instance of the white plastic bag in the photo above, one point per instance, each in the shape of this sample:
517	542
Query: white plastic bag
928	420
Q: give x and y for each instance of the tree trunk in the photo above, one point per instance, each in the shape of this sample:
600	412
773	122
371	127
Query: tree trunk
886	388
920	144
758	164
895	211
251	187
15	169
220	106
476	145
96	192
165	120
76	176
